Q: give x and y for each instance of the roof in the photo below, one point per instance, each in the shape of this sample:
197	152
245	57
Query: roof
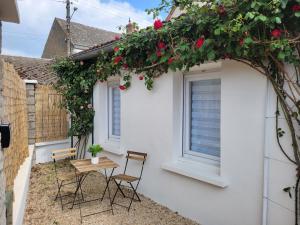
32	68
9	11
83	37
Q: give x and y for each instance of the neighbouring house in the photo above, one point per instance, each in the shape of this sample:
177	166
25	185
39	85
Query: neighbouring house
32	107
239	173
9	13
82	38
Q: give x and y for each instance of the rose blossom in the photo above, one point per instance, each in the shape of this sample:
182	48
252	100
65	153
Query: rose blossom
122	87
200	42
276	33
118	59
158	24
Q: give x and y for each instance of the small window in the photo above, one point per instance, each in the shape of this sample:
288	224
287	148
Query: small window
114	112
202	118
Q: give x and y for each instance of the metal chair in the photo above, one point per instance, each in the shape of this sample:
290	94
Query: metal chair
118	179
64	178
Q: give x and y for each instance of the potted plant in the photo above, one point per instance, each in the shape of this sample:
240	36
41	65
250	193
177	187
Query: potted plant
94	150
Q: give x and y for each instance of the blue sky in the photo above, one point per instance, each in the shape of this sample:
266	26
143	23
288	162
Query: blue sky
28	37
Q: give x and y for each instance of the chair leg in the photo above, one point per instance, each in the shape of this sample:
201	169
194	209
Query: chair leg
61	200
131	200
58	190
134	191
119	187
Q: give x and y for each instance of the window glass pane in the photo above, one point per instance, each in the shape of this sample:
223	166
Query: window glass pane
205	101
115	113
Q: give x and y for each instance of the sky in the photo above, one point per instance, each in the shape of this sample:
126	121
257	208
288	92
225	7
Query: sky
29	37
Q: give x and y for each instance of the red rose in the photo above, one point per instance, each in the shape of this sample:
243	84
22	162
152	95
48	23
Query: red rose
276	33
296	8
158	53
241	41
116	49
158	24
117	37
221	10
200	42
161	45
118	59
122	87
141	77
125	66
170	60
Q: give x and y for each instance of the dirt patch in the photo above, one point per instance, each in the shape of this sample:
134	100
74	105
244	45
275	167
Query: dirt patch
43	210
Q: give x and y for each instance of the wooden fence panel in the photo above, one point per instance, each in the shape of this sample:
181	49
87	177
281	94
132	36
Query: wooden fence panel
51	118
14	111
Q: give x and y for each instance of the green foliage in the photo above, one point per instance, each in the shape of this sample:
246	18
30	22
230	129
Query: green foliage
262	34
95	149
76	82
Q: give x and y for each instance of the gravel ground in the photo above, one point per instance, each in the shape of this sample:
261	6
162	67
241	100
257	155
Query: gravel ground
42	210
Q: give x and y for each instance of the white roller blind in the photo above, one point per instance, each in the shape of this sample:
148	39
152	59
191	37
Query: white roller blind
115	112
204	116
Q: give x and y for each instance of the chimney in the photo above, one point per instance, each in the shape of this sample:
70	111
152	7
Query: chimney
129	27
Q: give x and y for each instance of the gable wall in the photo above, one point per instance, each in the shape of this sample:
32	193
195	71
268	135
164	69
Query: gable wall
56	45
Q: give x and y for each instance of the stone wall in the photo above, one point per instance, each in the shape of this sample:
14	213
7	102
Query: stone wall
30	94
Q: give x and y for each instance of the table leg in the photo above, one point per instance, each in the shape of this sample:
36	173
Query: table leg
79	183
107	179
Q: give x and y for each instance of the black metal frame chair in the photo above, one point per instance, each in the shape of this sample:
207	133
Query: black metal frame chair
118	179
64	179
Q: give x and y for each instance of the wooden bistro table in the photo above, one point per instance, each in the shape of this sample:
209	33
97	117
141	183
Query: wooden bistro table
83	168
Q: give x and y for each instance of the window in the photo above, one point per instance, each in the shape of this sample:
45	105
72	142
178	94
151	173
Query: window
202	103
114	112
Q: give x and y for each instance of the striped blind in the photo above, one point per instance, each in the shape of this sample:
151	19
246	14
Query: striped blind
115	111
204	129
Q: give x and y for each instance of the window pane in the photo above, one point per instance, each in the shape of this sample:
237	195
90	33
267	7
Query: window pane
205	100
115	114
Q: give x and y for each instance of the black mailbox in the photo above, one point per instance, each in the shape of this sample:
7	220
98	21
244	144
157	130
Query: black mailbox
5	135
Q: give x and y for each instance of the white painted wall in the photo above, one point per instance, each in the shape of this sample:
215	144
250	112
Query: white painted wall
43	149
279	172
21	186
151	122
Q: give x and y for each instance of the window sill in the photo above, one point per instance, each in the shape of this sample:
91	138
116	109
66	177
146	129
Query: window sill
196	170
112	147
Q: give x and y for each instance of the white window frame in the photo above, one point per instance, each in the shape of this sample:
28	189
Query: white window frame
186	152
111	137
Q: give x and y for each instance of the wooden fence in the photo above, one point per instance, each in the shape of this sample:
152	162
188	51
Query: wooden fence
51	119
13	110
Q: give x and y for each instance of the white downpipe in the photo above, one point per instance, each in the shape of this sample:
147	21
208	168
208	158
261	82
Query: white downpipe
266	161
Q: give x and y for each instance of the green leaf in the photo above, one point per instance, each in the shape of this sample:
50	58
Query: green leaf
281	55
217	31
211	55
278	20
297	14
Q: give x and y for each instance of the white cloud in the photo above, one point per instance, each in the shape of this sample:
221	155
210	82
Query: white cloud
37	17
12	52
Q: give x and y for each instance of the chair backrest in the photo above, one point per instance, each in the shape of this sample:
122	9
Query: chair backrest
138	156
63	154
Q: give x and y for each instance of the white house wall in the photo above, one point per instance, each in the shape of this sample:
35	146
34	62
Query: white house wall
280	173
150	123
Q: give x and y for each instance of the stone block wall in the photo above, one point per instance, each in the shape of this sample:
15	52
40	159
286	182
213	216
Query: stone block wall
30	95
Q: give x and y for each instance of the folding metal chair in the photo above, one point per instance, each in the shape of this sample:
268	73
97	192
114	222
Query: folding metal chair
118	179
64	178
